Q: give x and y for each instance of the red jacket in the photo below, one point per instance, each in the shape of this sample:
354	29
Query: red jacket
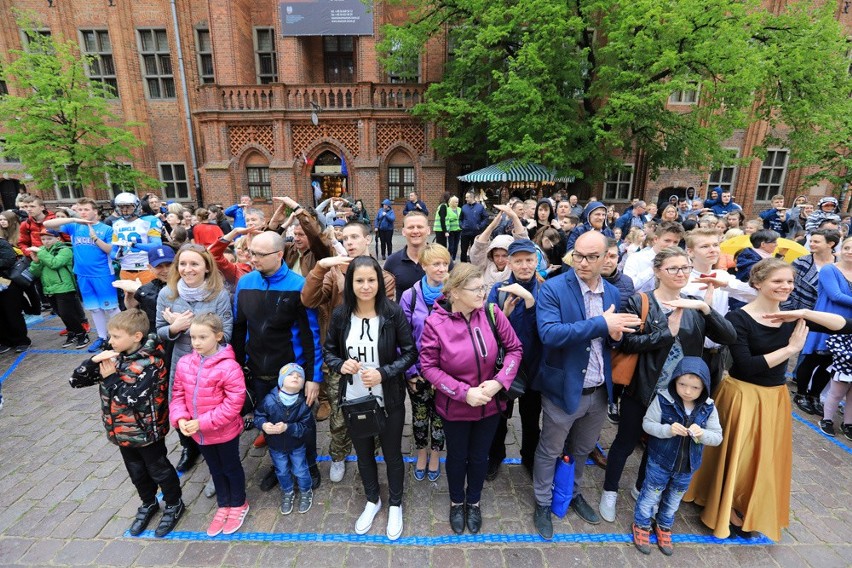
30	235
212	390
230	270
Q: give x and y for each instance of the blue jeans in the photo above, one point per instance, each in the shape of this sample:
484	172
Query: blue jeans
664	488
293	461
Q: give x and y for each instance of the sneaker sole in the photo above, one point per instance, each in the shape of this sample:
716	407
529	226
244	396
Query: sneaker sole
301	512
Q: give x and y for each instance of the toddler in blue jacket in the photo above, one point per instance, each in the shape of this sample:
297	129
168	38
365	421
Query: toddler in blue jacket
286	420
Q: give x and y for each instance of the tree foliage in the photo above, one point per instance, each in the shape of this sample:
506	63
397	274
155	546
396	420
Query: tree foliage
64	126
579	85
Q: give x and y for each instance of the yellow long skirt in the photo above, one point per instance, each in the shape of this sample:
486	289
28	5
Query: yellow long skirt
752	468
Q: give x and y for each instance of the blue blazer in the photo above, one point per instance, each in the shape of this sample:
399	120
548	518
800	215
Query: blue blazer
566	335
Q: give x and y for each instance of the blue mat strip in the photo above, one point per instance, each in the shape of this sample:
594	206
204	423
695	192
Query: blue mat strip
565	538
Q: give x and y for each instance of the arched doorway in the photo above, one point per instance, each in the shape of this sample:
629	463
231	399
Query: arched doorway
667	193
330	175
9	189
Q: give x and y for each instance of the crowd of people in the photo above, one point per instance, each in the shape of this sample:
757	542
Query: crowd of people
216	327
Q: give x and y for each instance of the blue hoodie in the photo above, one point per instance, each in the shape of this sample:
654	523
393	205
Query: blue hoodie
585	227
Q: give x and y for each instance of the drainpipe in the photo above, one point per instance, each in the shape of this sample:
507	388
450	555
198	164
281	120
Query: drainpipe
187	112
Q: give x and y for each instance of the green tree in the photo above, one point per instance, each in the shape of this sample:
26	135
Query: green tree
64	125
578	85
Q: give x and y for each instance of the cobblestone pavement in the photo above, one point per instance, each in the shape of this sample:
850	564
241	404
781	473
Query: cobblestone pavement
65	499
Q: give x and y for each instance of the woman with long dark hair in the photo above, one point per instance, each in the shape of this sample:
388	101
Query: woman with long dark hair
369	344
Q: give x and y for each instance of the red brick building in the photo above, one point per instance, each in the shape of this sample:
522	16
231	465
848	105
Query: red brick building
239	118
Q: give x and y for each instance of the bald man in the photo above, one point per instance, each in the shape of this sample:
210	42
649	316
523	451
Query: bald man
272	328
578	325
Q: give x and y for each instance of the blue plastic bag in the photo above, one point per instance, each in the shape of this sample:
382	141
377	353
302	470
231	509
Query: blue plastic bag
563	486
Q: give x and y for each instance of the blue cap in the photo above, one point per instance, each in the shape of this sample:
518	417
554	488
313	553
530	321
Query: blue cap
160	254
522	245
387	202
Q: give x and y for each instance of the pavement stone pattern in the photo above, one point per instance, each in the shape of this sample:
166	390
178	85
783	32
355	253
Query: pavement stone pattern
65	500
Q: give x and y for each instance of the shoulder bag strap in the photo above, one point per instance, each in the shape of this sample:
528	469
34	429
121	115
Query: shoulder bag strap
645	307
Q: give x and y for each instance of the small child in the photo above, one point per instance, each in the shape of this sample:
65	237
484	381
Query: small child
681	420
53	263
207	396
134	400
286	420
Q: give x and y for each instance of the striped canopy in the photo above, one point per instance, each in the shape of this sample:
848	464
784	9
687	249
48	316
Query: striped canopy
509	170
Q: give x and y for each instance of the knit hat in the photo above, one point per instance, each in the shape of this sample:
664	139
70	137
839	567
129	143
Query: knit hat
288	369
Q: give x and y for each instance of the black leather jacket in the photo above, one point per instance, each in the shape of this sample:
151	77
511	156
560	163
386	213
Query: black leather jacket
655	341
397	350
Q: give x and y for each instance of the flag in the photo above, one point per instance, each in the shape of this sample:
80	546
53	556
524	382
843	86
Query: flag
343	169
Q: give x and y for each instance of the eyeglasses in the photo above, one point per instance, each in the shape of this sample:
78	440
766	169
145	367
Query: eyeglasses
678	270
590	258
255	254
479	290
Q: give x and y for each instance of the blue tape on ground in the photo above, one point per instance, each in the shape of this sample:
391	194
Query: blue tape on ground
816	429
564	538
21	357
40	328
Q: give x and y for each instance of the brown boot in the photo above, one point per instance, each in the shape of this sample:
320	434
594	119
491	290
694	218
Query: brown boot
598	457
324	411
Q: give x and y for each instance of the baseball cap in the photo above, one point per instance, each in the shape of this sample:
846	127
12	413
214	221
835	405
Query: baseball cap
521	245
160	254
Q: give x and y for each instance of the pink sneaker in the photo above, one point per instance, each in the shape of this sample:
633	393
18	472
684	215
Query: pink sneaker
236	516
219	520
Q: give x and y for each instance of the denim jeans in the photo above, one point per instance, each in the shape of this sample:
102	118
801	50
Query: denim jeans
664	488
292	461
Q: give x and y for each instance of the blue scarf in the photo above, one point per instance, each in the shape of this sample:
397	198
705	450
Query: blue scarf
430	294
286	398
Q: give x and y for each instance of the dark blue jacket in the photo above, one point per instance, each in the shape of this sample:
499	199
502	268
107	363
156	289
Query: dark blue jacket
624	284
272	327
667	451
385	219
566	335
523	321
409	207
472	219
298	418
747	258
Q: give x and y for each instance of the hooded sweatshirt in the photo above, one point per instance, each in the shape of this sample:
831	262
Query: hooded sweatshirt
585	227
481	256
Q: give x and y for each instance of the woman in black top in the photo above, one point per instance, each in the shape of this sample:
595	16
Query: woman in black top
744	484
369	344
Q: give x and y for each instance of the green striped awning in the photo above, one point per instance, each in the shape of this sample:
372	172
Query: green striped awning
509	170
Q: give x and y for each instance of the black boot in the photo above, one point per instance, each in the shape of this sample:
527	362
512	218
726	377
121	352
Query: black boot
171	515
143	516
269	480
316	479
805	403
187	460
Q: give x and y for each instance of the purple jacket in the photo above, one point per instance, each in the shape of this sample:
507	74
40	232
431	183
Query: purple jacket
456	354
416	311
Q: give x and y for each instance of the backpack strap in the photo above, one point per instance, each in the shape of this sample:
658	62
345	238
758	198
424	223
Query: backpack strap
492	322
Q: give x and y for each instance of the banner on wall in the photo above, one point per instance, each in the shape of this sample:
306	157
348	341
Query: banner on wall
325	18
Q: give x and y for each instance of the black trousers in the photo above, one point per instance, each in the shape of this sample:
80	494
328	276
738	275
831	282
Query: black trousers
227	472
467	456
13	327
453	244
629	434
148	468
386	242
260	388
529	406
812	374
391	440
71	312
466	242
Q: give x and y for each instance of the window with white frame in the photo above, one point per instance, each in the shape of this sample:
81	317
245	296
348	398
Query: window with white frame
772	174
100	65
259	186
175	183
266	58
400	181
205	56
619	184
156	64
724	176
685	96
65	186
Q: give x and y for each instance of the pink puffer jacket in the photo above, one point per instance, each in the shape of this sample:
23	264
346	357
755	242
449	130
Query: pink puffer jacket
212	390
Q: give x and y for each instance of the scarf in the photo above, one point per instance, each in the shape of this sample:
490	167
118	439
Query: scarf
286	398
430	294
191	295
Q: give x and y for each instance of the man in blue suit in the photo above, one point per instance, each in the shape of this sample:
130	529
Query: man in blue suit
578	325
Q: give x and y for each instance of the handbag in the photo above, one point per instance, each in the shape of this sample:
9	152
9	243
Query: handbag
624	364
519	384
364	416
20	273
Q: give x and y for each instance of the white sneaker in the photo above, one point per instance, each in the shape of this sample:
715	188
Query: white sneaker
365	521
634	492
209	489
394	522
607	506
338	469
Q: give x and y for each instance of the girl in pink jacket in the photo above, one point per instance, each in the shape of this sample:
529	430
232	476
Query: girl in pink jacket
208	394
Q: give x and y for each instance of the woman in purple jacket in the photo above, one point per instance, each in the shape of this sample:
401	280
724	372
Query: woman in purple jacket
416	303
458	355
